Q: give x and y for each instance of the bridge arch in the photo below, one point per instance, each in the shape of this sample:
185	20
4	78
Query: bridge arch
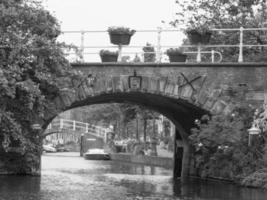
174	102
182	94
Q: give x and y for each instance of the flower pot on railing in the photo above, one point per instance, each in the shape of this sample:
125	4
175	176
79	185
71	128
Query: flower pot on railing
205	37
194	36
177	58
120	39
120	35
176	55
108	56
198	36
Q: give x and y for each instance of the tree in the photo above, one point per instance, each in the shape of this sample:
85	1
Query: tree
31	69
227	14
221	145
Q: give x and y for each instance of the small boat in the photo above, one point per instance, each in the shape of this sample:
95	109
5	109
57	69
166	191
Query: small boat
96	154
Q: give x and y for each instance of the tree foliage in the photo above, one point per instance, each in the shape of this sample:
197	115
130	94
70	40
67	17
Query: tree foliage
32	64
221	146
226	14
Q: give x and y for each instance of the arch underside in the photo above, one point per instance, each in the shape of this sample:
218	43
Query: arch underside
179	111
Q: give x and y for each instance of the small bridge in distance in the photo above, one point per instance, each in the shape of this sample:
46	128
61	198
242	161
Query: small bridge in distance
68	126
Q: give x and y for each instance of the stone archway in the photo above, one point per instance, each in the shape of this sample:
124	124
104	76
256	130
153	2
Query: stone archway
180	112
182	102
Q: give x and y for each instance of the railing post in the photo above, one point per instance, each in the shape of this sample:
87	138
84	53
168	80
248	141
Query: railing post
240	57
120	53
158	52
74	125
198	53
212	56
86	127
61	123
82	46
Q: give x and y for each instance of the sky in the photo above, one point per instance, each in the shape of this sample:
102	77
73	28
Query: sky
75	15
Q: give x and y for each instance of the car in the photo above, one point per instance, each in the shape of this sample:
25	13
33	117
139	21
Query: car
49	148
62	149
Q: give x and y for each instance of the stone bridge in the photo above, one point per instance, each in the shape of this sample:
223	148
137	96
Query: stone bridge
181	92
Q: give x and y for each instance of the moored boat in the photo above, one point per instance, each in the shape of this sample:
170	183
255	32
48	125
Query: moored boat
96	154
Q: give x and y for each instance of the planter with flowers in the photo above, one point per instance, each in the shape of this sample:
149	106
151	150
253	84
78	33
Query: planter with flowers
176	55
108	56
198	35
120	35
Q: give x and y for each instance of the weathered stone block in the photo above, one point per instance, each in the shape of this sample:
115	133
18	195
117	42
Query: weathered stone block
68	96
176	91
186	92
109	84
162	85
169	88
216	93
117	85
153	85
145	84
202	97
209	103
88	91
81	93
218	106
228	109
99	87
125	83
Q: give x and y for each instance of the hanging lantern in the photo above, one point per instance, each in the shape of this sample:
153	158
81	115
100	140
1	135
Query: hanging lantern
252	131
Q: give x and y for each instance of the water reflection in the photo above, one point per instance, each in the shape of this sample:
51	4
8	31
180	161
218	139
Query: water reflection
68	178
213	190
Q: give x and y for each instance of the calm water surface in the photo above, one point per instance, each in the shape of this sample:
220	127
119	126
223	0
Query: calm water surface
69	177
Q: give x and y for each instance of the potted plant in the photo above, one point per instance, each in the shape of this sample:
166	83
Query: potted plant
176	55
149	53
198	35
120	35
108	56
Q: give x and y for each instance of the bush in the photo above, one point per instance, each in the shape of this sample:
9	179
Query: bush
221	146
256	179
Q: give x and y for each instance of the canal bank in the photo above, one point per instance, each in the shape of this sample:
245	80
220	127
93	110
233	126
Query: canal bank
143	159
67	176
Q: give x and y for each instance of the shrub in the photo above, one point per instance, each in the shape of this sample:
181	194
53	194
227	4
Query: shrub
256	179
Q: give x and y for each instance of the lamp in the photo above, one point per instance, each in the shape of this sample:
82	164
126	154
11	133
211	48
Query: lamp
252	131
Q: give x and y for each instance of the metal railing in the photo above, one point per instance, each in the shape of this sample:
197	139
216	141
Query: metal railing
65	124
159	47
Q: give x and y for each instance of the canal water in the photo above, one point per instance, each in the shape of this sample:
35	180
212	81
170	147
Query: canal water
69	177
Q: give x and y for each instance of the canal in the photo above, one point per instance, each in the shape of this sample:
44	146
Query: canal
66	176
